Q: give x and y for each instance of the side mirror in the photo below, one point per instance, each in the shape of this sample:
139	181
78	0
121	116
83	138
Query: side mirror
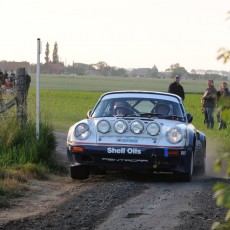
89	113
189	117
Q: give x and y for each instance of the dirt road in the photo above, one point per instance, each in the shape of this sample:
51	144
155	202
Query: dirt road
116	201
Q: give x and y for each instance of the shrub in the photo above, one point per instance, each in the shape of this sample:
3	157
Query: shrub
21	146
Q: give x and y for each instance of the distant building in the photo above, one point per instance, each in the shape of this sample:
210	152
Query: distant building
49	68
13	65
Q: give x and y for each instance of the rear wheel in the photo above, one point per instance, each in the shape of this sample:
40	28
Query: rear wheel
79	172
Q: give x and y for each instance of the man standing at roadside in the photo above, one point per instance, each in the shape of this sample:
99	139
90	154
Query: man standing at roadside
223	92
176	87
209	104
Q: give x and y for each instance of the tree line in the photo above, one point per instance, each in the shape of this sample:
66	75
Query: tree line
55	66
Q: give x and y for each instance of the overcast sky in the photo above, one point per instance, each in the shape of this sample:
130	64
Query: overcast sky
123	33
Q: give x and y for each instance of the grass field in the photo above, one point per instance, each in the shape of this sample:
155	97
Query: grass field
65	100
99	84
63	108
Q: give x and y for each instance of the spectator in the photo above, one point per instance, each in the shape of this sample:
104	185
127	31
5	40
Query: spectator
176	87
1	77
5	73
5	76
8	86
209	104
28	81
12	76
222	93
1	99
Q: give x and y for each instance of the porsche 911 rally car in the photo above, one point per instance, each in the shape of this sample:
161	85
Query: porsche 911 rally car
143	131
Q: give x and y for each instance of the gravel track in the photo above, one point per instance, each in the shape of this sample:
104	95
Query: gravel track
116	201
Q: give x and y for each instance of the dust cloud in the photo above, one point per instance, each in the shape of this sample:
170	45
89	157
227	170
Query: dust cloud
212	154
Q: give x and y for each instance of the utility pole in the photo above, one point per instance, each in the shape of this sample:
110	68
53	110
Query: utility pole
38	90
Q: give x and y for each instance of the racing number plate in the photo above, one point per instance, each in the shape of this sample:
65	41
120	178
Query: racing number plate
127	140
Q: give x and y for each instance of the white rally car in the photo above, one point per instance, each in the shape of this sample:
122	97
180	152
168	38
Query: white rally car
143	131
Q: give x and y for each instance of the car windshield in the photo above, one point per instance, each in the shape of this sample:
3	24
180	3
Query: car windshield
139	107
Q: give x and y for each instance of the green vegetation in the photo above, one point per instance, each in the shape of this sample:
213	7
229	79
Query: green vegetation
23	157
19	146
103	84
222	190
64	108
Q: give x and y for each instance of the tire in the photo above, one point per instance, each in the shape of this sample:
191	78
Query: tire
187	177
200	170
79	172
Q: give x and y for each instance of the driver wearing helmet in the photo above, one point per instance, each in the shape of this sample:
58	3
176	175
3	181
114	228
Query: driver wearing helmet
162	109
121	108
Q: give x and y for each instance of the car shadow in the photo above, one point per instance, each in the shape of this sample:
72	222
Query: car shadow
143	177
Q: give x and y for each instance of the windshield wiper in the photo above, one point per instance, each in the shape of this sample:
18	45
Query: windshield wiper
149	114
171	117
128	115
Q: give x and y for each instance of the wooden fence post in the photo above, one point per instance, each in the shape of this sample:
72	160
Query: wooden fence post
21	96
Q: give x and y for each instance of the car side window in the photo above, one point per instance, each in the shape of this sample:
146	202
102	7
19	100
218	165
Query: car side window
176	110
103	109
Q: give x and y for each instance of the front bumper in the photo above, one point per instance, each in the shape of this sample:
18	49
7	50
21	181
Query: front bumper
135	158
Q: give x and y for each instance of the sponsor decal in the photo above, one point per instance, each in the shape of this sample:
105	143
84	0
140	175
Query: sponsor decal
124	160
166	152
127	140
123	150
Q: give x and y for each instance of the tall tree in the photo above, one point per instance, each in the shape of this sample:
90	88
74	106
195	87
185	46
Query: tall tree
154	71
47	53
55	53
100	66
176	69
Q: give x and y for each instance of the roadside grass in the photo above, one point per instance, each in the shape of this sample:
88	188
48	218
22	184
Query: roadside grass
9	189
23	157
20	146
14	180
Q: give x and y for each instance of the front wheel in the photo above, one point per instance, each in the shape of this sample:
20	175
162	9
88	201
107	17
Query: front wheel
187	177
200	170
79	172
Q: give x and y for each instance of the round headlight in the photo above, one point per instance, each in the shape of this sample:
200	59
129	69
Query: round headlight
153	129
120	126
103	126
137	127
82	131
174	135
